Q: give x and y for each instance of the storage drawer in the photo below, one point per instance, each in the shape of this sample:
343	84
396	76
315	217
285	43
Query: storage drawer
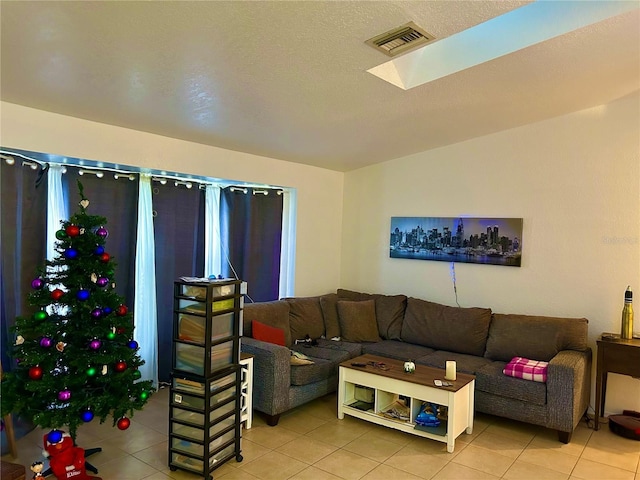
198	433
190	401
193	448
191	358
197	419
180	460
192	327
186	305
200	292
194	387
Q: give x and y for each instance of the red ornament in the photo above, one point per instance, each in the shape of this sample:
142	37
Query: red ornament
120	366
124	423
121	310
104	258
57	294
35	373
72	230
120	330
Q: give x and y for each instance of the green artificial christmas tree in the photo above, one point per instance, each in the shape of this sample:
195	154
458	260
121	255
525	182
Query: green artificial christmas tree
76	357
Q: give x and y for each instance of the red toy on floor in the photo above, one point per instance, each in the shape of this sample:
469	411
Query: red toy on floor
66	460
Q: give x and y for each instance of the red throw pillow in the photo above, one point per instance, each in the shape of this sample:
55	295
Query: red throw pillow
267	333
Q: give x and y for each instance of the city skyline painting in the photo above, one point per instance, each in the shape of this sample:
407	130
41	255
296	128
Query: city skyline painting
489	241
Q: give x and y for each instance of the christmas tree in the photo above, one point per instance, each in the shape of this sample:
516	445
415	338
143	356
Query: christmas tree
76	357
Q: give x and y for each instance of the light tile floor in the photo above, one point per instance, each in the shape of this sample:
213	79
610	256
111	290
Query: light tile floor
310	443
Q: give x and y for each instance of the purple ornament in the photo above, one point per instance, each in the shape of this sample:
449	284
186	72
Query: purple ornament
102	232
132	344
45	342
96	313
82	295
71	253
102	282
99	250
64	395
37	283
95	344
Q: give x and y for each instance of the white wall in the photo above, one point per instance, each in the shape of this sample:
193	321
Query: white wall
575	180
319	191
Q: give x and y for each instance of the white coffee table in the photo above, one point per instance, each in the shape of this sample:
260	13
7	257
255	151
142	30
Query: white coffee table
395	387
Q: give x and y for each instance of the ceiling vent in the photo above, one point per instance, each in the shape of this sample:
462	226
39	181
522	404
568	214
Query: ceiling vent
400	39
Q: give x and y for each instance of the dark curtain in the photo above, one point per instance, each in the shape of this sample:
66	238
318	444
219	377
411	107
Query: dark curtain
117	201
178	227
23	235
251	235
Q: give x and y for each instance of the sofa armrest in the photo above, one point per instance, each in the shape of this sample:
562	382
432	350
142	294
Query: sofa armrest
568	388
271	375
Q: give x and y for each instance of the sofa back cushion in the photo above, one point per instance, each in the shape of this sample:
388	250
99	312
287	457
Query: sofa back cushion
358	321
534	337
329	305
456	329
275	314
305	317
389	311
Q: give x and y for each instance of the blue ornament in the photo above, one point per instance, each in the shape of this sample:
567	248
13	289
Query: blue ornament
106	310
132	344
87	416
99	250
71	253
82	295
54	436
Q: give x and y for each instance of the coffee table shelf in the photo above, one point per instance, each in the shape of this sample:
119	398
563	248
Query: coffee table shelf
395	387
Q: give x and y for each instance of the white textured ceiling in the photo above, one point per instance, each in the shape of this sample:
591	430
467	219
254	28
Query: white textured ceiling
289	80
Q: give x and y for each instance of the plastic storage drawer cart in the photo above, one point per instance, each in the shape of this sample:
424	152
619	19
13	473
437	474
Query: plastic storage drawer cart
205	401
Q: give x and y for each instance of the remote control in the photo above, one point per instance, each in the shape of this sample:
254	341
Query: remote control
358	364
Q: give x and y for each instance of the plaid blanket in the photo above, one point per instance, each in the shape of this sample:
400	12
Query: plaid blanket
526	369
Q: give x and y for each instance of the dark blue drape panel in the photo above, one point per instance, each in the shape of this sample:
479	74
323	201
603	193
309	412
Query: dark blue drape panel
23	227
178	228
117	201
251	236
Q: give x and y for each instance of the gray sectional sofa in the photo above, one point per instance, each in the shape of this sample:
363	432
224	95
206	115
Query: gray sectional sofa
343	325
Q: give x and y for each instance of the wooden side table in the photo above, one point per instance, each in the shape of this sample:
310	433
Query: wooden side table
615	355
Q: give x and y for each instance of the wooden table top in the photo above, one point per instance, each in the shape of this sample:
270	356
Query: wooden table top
423	375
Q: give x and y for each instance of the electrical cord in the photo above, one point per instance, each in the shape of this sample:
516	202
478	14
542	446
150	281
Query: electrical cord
453	279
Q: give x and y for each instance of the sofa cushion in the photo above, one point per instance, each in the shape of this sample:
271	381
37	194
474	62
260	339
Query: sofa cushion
329	305
325	363
352	295
540	338
305	318
389	311
267	333
358	321
396	349
352	349
274	314
490	379
464	363
454	329
389	314
320	369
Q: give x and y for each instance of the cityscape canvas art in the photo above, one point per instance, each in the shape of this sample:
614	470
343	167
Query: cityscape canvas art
492	241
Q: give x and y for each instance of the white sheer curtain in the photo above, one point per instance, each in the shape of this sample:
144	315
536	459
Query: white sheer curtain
288	245
56	207
145	312
212	256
